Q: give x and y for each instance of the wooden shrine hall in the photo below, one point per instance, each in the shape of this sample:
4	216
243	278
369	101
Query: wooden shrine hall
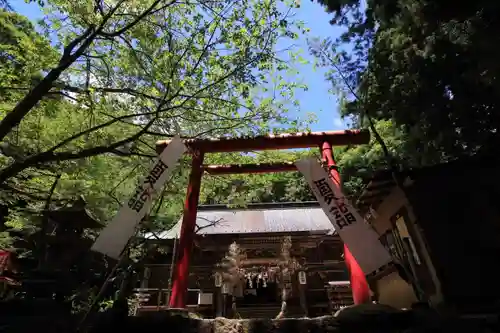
281	246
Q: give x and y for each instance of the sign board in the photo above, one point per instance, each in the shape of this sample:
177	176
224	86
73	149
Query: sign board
115	236
359	237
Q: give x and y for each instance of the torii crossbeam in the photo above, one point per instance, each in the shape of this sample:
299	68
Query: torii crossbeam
199	147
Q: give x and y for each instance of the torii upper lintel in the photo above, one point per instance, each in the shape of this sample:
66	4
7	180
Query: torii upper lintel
274	142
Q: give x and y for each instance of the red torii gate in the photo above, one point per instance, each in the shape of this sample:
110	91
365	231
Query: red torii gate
198	147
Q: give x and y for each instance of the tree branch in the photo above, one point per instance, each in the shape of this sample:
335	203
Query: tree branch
136	20
51	156
25	105
28	195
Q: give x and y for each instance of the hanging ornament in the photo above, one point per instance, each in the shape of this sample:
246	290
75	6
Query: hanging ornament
302	277
218	279
226	288
271	275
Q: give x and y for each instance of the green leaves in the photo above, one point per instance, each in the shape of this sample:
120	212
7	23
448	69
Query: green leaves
239	190
430	78
142	71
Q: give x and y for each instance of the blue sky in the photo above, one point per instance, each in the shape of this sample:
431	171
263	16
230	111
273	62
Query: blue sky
317	99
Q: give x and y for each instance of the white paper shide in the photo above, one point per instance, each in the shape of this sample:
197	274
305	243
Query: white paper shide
115	236
359	237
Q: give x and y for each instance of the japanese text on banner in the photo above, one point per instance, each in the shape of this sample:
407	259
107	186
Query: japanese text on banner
337	206
142	194
115	236
361	239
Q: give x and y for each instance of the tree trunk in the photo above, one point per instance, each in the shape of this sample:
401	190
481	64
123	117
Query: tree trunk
284	298
14	117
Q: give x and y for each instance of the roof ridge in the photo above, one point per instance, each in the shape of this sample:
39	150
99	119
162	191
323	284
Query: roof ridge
260	205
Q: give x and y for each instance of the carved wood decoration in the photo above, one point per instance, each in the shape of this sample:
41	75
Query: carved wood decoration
264	259
289	266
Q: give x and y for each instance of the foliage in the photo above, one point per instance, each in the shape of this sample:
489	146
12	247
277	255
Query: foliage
88	99
428	65
191	69
272	187
130	73
232	272
358	164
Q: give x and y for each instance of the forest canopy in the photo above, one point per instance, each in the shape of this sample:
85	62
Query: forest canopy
87	92
427	66
88	98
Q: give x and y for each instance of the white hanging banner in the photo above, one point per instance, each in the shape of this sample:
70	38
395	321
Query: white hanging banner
115	236
359	237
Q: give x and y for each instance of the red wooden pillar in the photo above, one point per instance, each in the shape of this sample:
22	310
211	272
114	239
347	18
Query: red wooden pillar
359	284
185	247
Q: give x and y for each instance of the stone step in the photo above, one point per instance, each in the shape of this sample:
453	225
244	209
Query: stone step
268	312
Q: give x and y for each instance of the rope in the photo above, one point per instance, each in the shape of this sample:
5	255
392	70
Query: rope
99	295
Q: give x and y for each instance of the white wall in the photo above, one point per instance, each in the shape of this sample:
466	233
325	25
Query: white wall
392	288
395	292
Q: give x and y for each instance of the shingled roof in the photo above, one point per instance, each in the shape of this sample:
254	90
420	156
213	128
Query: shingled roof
257	218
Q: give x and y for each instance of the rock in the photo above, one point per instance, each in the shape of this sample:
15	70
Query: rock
373	315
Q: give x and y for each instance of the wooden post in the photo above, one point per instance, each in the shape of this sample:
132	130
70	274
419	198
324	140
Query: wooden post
219	303
302	283
158	300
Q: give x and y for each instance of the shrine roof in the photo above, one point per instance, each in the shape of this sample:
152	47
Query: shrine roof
257	218
381	184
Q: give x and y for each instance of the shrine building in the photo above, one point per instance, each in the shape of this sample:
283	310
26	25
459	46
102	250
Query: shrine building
281	246
444	228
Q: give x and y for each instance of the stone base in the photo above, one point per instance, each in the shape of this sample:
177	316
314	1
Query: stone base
365	318
357	319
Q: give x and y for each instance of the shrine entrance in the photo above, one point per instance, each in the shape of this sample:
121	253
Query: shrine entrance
260	300
260	288
257	287
199	147
259	291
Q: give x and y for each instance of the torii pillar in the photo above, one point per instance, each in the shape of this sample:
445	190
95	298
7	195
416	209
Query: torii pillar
198	148
359	284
